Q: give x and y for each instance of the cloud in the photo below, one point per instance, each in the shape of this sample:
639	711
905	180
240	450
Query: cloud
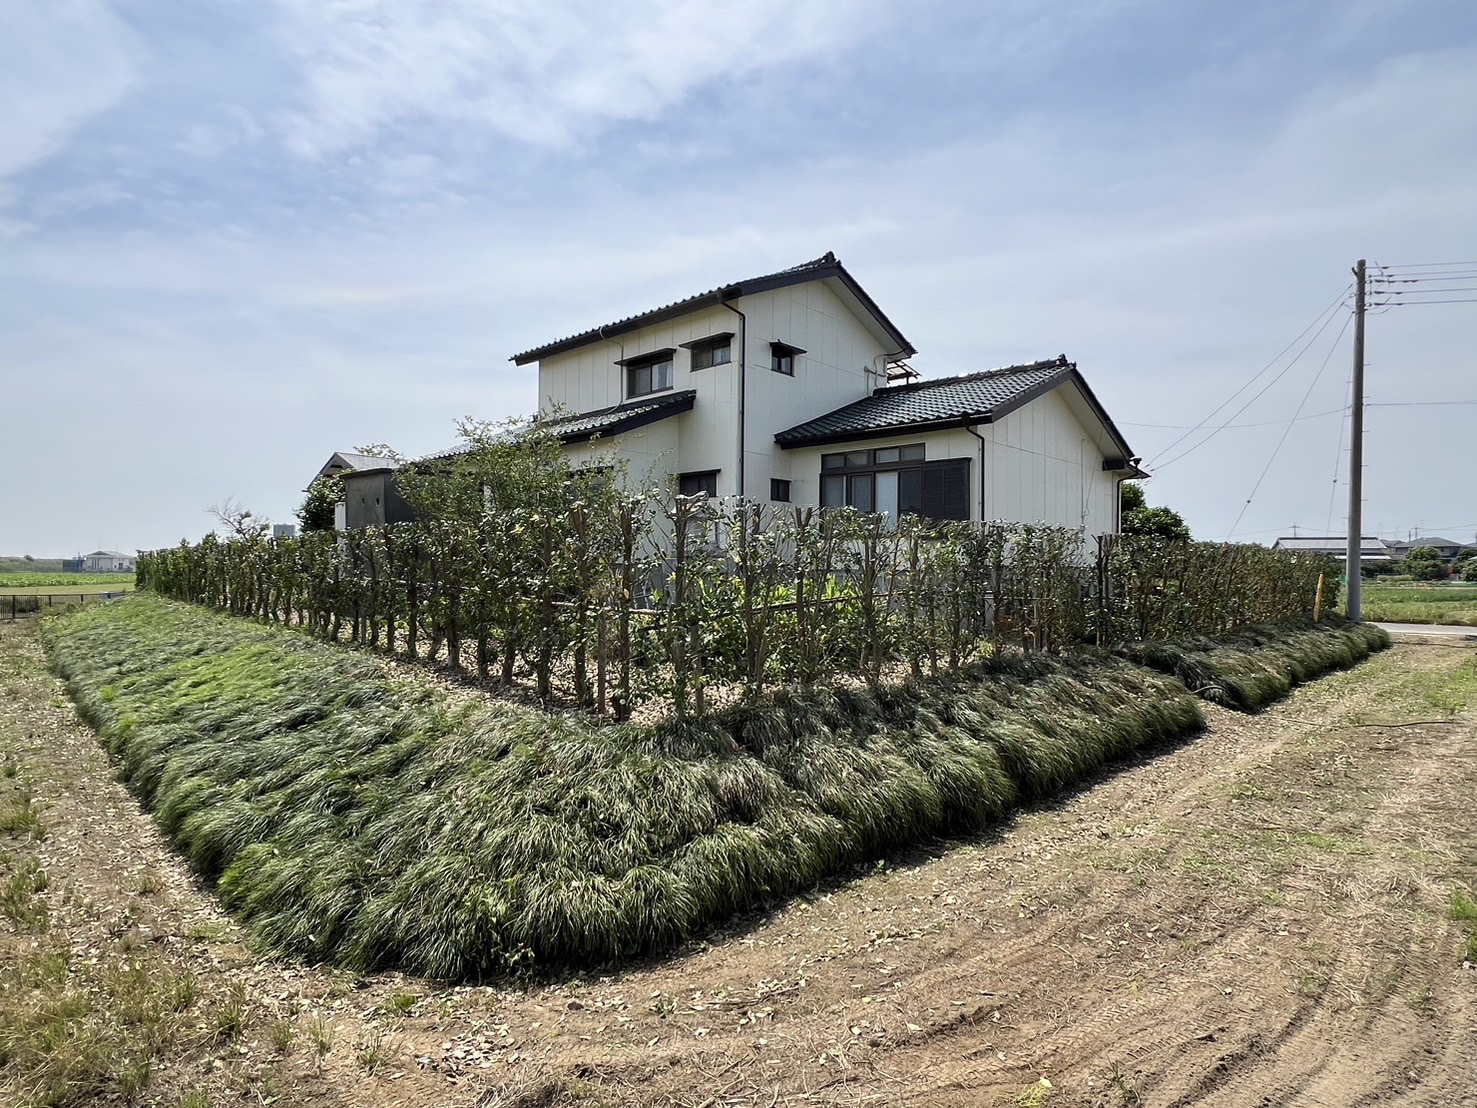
61	63
536	71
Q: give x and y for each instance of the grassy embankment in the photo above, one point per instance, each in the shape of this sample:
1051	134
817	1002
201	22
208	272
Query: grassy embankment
1251	667
1421	603
359	816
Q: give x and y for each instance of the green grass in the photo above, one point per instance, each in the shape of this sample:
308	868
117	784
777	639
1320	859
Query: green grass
375	821
1454	604
63	584
1249	668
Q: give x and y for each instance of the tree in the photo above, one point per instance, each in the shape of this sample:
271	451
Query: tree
1425	563
319	507
1140	519
238	520
1469	570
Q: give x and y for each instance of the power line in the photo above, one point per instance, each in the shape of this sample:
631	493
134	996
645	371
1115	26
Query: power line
1413	303
1229	426
1276	449
1423	404
1426	265
1282	373
1338	455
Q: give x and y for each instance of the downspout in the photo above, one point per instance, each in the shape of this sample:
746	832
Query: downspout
970	428
743	380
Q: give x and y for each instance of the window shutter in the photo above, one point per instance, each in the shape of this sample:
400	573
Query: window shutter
946	489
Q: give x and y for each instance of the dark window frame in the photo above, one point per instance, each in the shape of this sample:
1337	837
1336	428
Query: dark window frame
708	479
942	484
704	351
779	490
782	358
647	364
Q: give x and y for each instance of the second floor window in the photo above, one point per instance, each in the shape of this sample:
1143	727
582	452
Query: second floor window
782	358
711	351
648	373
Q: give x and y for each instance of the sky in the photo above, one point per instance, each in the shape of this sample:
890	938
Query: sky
237	235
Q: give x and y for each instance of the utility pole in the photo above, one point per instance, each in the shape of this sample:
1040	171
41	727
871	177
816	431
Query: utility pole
1356	455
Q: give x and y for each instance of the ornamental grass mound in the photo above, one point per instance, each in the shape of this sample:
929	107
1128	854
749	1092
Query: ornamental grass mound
360	815
1253	666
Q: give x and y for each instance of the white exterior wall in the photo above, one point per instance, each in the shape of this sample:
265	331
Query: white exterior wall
839	365
1043	465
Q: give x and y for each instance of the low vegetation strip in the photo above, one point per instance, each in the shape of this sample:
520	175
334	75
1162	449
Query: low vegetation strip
361	815
1251	667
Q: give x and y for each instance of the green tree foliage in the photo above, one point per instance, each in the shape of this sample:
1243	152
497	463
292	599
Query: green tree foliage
1424	563
1140	519
1163	523
316	513
1469	570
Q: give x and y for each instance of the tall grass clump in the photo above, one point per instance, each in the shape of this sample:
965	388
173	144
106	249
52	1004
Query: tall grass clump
1251	667
357	816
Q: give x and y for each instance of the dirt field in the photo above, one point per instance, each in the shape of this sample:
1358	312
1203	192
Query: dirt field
1261	917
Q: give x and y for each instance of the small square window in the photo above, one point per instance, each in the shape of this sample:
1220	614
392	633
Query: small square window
913	452
782	358
779	490
887	454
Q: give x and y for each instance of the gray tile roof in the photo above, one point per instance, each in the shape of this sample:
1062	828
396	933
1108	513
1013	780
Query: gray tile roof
827	265
626	417
919	405
1369	546
343	459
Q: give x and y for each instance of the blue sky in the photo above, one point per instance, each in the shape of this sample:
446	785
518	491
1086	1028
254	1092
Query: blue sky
236	236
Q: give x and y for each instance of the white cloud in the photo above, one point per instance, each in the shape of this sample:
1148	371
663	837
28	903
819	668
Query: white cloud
535	70
61	62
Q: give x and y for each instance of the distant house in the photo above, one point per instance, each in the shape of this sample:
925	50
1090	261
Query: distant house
284	530
1372	550
794	388
108	561
1449	549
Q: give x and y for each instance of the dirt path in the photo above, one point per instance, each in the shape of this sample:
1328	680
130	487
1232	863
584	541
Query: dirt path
1259	917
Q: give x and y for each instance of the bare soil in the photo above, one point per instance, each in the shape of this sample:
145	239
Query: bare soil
1259	917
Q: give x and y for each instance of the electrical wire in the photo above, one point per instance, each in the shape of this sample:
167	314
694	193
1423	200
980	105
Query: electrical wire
1277	449
1229	426
1338	454
1424	404
1328	312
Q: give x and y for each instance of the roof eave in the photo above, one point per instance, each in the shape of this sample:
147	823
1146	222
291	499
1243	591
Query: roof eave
967	420
833	270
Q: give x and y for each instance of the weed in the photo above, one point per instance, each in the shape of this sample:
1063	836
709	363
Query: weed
374	1049
320	1034
1034	1096
19	816
88	1031
401	1004
281	1035
230	1017
195	1098
148	884
1463	907
1128	1091
19	899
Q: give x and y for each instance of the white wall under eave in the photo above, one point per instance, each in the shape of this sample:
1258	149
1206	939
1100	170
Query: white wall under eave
835	370
1042	465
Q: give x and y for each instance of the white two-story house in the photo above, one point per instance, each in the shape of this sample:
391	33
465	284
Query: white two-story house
792	388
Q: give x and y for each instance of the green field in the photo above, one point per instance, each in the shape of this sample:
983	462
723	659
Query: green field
64	583
1413	603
